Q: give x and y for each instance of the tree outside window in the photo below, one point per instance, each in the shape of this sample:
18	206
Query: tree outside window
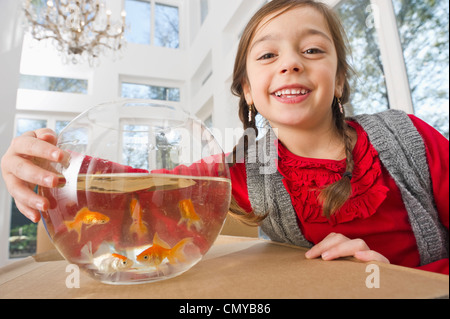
151	22
423	29
369	92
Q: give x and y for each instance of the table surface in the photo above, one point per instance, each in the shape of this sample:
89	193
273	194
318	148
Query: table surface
234	268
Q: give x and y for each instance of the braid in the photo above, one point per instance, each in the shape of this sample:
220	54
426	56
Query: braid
335	195
250	219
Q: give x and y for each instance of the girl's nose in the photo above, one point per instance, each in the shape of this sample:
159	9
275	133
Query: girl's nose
291	64
290	69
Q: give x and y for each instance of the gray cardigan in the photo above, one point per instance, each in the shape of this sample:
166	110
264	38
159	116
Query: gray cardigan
402	152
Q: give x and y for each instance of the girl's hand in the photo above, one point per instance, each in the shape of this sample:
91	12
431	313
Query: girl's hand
336	246
21	170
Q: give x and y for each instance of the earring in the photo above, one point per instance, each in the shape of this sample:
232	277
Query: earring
341	108
250	113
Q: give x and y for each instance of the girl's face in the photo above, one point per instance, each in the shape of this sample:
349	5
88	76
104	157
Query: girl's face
291	67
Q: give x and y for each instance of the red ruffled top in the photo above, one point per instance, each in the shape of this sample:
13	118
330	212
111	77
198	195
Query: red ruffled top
304	177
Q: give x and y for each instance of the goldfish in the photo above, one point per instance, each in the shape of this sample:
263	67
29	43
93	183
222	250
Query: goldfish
87	217
138	226
103	260
112	263
188	215
160	250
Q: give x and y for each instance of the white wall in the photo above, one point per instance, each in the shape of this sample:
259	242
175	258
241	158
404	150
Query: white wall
10	52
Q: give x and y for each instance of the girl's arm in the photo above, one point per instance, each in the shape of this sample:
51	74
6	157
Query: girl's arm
437	147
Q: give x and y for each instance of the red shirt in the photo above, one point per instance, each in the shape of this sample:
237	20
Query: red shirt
375	212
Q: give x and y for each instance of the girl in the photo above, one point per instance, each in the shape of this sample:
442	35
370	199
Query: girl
372	187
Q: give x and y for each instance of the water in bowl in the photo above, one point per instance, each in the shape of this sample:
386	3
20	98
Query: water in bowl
134	228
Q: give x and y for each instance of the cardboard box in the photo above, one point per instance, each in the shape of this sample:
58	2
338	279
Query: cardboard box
235	268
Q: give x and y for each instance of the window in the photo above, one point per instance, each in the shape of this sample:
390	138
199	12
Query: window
166	26
22	236
138	21
142	91
54	84
369	93
151	22
423	29
401	56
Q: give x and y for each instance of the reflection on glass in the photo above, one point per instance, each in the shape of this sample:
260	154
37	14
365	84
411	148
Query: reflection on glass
22	236
134	154
369	93
138	21
423	29
60	125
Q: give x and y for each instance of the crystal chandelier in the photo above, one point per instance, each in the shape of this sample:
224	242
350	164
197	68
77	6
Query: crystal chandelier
80	29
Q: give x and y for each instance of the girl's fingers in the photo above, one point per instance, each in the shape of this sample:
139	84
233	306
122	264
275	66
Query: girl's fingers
335	246
25	197
29	212
29	146
345	249
370	255
26	170
326	244
46	135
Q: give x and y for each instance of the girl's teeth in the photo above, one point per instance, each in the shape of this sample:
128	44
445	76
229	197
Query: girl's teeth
291	92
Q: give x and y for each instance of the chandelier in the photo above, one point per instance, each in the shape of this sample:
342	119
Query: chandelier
80	29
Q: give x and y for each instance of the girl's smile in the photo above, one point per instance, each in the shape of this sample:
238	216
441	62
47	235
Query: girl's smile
292	94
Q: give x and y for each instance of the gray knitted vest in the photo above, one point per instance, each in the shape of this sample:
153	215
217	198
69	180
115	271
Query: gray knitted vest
401	150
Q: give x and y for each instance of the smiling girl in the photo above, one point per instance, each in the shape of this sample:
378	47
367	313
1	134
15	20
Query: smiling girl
374	187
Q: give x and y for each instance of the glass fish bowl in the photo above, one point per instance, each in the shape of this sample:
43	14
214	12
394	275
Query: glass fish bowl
143	192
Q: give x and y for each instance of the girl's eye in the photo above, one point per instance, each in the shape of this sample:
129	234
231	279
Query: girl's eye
267	56
313	51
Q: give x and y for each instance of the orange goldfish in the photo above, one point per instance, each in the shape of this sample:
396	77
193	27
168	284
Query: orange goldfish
189	215
87	217
160	250
138	226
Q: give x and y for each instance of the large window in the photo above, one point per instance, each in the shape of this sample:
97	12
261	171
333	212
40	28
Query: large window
423	28
369	93
151	22
400	53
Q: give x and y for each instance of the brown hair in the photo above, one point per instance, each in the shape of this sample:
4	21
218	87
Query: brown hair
334	195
